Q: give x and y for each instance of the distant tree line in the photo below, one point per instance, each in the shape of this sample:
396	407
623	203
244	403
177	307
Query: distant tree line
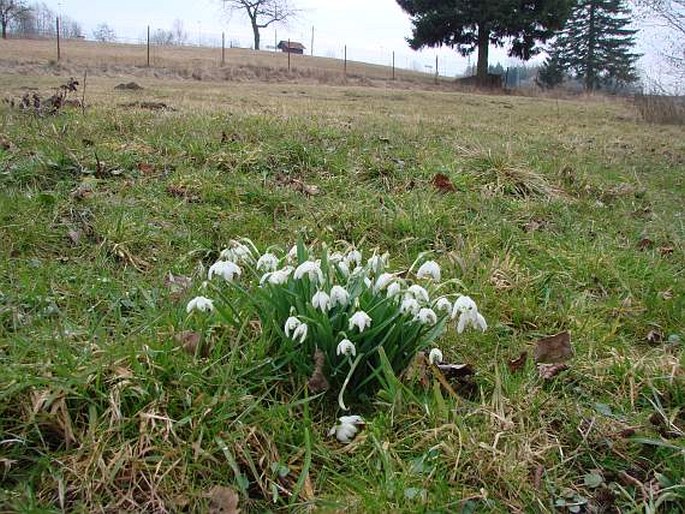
35	20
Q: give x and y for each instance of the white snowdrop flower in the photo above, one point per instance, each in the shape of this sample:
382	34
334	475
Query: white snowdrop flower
237	252
409	305
300	333
346	347
290	325
344	269
426	317
277	277
429	269
394	289
346	428
443	304
200	303
358	271
339	296
321	301
468	313
383	281
361	320
267	262
377	262
310	268
368	282
335	258
225	269
435	356
355	257
292	254
418	292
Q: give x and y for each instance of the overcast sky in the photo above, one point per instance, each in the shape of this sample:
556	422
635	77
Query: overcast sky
371	29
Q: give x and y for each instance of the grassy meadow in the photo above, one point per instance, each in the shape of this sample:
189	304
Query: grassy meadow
562	215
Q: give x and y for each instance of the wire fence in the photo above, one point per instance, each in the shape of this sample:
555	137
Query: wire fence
153	44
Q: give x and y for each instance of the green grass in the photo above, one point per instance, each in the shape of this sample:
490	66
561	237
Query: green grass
101	408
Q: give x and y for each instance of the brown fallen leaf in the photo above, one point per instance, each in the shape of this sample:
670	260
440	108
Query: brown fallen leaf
177	285
74	236
553	349
182	192
666	295
417	371
442	183
644	243
518	363
191	342
665	250
223	500
549	371
318	382
145	168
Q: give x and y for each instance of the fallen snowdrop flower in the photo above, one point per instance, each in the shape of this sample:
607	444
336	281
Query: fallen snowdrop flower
426	317
361	320
225	269
443	304
339	296
419	293
321	301
429	269
346	347
267	262
310	268
410	306
435	356
200	303
346	428
468	313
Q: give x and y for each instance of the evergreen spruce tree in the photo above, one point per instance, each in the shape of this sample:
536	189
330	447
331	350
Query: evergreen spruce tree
595	45
550	74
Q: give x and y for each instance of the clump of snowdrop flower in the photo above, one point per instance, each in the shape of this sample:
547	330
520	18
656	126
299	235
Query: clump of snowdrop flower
358	314
346	428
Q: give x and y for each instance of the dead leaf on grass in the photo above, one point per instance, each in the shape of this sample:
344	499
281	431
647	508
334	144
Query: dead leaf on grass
182	192
549	371
665	250
442	183
223	500
177	285
644	243
191	342
75	236
417	371
145	168
554	349
318	382
297	185
518	363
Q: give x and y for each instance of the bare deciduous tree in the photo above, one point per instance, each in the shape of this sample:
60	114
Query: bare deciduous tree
671	15
262	13
9	10
104	33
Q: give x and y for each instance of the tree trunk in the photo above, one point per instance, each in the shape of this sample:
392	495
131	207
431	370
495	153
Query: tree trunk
255	31
483	46
590	72
3	27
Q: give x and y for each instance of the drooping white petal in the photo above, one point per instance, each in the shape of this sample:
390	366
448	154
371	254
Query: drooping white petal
237	252
409	305
429	269
346	347
354	256
311	269
300	333
444	305
426	317
290	325
225	269
419	293
200	303
463	304
321	301
267	262
339	296
435	356
346	428
394	289
360	320
383	281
